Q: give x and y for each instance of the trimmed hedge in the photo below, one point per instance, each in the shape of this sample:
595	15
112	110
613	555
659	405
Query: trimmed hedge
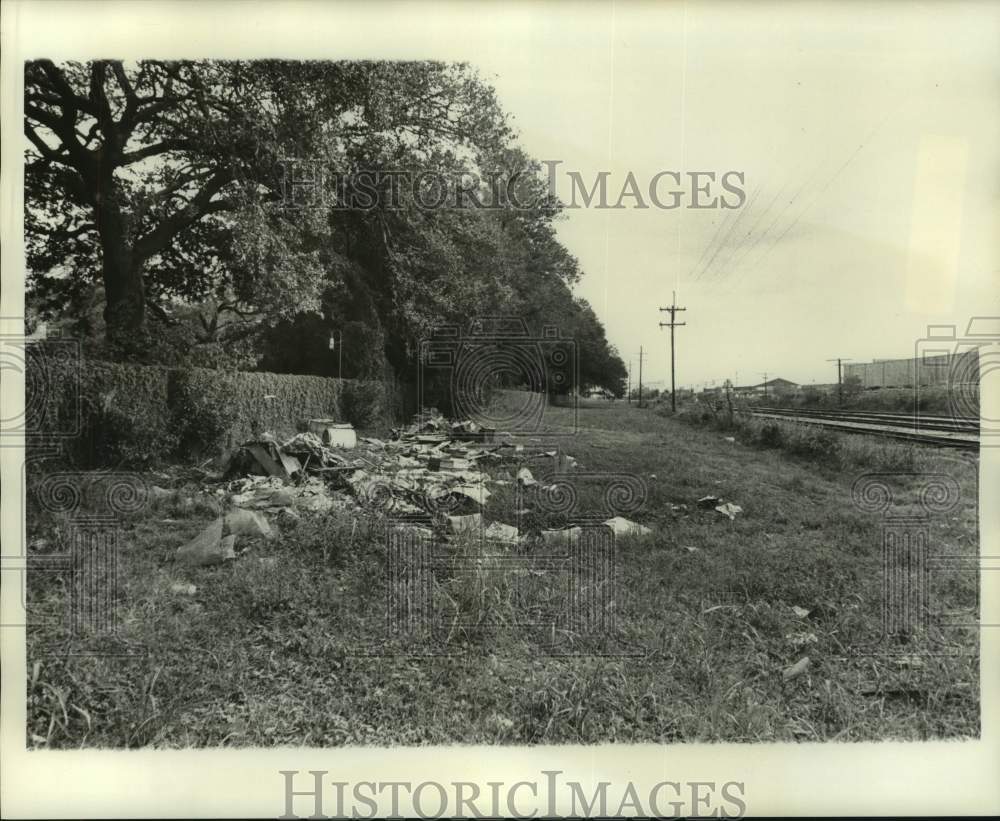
219	410
136	414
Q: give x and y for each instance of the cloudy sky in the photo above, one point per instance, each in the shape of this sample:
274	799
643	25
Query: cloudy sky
868	134
869	139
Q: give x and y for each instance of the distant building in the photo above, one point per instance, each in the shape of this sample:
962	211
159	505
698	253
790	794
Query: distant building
773	387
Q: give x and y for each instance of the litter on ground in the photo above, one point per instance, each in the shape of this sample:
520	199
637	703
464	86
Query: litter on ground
623	527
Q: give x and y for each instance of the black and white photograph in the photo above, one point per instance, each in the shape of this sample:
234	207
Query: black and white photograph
548	381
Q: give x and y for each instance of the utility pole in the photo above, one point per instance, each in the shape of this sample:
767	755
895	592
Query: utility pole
628	390
840	382
672	324
640	375
337	342
765	385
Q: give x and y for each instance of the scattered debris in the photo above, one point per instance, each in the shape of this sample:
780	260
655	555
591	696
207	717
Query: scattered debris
217	542
433	468
801	612
796	669
623	527
264	457
709	501
729	438
690	548
563	537
729	509
465	524
525	478
333	433
801	639
246	523
183	588
499	532
208	547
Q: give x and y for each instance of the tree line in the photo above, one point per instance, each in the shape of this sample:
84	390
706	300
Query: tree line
170	214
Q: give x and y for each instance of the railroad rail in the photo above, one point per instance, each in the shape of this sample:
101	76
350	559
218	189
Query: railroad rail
943	431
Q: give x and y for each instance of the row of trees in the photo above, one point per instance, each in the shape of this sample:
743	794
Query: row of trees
224	213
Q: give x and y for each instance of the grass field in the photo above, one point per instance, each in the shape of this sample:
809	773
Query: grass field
276	647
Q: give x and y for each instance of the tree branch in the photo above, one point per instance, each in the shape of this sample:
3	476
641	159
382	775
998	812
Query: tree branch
162	147
160	237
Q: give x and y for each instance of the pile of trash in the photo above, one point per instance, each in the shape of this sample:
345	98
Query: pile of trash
433	472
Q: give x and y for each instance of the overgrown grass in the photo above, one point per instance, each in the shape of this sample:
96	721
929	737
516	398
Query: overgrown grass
288	644
929	399
821	446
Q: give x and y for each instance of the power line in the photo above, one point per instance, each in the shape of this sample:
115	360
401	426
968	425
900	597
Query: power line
673	308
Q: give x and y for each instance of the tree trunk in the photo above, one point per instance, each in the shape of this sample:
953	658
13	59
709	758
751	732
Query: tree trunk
125	293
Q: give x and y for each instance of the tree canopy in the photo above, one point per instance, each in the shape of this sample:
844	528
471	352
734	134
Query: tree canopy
241	212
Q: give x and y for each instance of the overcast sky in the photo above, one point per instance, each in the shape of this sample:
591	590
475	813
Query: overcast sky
869	135
869	139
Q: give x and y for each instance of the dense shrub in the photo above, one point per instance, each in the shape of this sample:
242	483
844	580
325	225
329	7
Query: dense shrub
770	435
363	403
102	412
113	413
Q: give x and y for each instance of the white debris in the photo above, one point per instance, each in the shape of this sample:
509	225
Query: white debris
623	527
796	669
729	509
208	547
499	532
563	537
247	523
465	524
477	493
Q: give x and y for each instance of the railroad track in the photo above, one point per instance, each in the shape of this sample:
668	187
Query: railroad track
933	430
